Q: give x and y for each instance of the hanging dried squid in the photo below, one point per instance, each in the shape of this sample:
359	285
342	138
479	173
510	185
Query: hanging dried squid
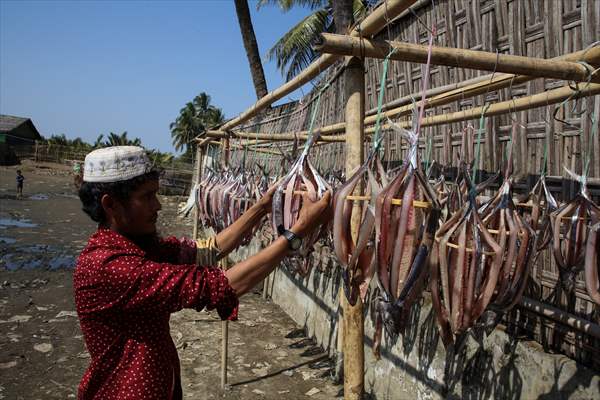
592	261
571	224
287	200
537	208
516	239
404	236
357	258
465	266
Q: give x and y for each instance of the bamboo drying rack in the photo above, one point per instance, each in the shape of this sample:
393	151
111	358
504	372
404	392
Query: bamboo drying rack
465	90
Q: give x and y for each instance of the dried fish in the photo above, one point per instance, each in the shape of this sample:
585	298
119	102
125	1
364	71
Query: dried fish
571	224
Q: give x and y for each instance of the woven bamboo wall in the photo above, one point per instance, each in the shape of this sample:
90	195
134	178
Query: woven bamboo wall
536	28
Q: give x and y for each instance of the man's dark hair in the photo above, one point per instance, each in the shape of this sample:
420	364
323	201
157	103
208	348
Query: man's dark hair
90	193
18	171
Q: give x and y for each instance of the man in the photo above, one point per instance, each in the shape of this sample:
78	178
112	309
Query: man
20	179
128	281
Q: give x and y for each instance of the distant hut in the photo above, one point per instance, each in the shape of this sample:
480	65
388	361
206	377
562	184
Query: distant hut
15	131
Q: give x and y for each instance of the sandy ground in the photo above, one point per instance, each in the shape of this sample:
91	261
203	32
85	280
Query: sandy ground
42	354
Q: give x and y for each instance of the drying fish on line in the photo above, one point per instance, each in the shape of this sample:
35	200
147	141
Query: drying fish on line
404	235
516	239
287	201
571	224
357	258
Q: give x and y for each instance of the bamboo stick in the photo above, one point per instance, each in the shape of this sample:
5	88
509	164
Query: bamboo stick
204	141
561	316
199	160
353	315
272	137
224	338
371	25
396	202
463	58
521	104
475	87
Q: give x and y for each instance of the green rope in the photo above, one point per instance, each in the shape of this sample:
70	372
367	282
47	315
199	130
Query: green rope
586	169
478	149
378	140
314	116
429	146
545	160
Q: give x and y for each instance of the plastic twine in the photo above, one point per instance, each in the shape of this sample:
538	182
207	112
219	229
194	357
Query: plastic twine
588	157
313	117
425	80
478	148
378	140
429	147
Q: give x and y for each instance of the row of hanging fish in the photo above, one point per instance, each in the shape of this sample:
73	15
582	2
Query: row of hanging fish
478	260
302	178
474	253
221	197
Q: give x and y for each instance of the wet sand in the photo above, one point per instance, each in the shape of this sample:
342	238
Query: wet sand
42	354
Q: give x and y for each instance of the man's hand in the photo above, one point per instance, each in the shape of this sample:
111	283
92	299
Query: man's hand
312	214
266	201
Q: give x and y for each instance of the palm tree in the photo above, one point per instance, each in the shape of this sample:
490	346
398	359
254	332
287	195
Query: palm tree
99	142
59	140
293	52
114	139
249	38
197	116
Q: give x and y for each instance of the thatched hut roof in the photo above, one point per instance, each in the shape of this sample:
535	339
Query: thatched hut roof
18	130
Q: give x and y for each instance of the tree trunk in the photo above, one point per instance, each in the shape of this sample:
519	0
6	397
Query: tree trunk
342	15
256	69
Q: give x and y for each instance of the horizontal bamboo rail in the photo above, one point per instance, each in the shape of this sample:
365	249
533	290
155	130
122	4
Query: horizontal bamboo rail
371	25
477	87
271	137
561	316
523	103
463	58
396	202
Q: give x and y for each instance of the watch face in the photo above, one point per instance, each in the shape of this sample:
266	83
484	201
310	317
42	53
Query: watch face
296	243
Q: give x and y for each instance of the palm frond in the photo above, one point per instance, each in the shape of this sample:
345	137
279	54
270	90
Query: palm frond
294	50
286	5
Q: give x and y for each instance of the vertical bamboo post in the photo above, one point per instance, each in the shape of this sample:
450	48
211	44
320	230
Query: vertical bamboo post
198	173
224	324
224	339
353	330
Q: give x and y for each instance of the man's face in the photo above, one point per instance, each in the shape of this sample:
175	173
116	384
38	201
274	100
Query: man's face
138	215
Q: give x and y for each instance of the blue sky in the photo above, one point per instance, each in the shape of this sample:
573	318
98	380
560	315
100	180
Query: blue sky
88	67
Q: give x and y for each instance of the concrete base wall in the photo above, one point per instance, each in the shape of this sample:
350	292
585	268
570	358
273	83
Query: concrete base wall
416	365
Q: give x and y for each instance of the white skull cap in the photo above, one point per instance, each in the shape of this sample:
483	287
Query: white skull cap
115	164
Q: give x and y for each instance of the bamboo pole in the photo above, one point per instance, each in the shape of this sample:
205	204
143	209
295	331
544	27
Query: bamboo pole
224	338
474	87
561	316
272	137
204	141
463	58
353	315
521	104
199	160
588	55
371	25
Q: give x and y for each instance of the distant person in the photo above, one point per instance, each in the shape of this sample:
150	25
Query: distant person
77	176
128	280
20	179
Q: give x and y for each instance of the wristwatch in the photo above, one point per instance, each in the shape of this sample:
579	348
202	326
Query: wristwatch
294	241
